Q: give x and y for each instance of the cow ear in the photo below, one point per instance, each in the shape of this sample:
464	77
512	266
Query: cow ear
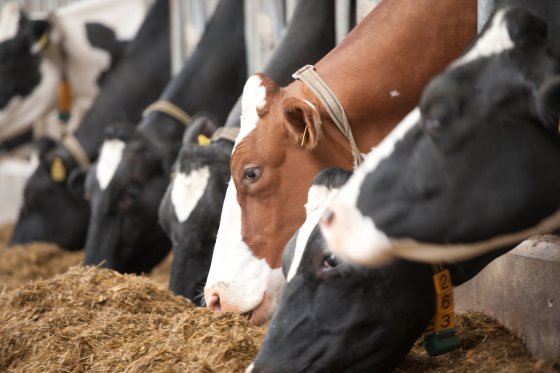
526	29
200	130
120	130
549	104
39	34
44	145
302	121
76	182
39	28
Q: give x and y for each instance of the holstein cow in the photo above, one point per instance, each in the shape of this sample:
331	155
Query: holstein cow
51	210
286	136
333	317
129	180
190	210
74	47
465	172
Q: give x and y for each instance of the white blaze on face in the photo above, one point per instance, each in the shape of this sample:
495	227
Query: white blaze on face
318	198
239	277
109	159
495	40
235	273
352	235
254	97
9	21
187	190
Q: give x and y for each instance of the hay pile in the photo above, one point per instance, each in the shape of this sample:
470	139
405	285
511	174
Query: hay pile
97	320
5	233
486	346
21	264
39	261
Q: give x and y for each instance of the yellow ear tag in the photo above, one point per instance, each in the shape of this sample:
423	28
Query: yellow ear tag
58	171
203	140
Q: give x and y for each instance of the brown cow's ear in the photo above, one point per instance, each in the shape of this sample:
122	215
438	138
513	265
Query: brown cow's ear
302	121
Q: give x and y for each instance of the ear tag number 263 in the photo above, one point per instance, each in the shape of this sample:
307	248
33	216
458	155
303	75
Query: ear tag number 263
440	336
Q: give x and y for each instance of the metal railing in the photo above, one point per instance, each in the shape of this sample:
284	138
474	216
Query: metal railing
265	21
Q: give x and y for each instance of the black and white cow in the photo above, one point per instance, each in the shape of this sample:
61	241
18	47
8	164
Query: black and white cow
190	211
333	317
78	44
54	212
129	180
466	172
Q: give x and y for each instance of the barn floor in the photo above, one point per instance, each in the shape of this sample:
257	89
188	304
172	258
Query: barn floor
96	320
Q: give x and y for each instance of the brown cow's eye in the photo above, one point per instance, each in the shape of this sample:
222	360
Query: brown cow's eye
251	174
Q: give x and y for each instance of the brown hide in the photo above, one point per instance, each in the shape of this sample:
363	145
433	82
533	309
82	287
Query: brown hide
378	73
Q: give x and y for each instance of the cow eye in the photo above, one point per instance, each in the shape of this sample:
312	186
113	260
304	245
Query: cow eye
251	174
430	125
126	200
330	262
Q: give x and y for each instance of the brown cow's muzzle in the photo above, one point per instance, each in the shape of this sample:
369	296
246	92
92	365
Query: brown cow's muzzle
217	300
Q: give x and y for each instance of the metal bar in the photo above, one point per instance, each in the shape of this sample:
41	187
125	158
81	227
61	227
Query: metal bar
177	8
342	14
290	8
252	35
485	9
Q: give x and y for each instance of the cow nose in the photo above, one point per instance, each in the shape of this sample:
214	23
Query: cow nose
213	302
328	217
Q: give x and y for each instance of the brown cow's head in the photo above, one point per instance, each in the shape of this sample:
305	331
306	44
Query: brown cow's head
274	159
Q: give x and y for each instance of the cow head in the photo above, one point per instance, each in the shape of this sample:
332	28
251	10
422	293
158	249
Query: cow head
333	317
468	171
275	155
29	72
190	210
125	186
51	211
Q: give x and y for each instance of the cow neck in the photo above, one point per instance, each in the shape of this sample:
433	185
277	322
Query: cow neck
389	67
163	133
206	83
52	48
331	104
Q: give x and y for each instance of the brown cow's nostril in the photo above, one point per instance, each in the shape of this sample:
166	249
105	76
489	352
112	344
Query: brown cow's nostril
214	303
327	217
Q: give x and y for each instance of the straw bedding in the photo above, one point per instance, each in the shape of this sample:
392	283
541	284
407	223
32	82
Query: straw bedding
96	320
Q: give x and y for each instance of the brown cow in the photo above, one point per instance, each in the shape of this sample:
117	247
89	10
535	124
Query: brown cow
378	73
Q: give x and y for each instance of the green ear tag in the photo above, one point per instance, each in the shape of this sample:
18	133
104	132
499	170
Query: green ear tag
438	343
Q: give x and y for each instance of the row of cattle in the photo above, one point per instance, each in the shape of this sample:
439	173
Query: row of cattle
347	271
